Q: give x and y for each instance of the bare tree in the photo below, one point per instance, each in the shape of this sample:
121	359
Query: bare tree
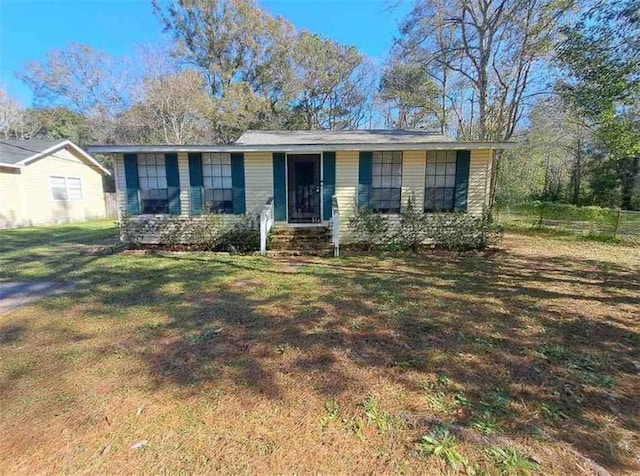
333	84
15	121
173	109
82	79
410	97
494	47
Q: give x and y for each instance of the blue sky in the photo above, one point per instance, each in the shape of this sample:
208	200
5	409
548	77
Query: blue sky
31	28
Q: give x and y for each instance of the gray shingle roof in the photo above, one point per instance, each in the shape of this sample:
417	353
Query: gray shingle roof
14	151
372	136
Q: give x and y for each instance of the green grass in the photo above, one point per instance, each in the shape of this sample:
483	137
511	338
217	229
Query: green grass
246	364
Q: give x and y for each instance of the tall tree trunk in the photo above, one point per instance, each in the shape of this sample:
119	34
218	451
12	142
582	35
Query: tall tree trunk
629	169
577	174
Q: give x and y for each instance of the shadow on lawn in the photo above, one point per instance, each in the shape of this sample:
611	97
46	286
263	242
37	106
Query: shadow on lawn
554	338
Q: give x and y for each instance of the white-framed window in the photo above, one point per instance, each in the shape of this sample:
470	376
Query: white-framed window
440	181
65	188
152	181
386	186
216	181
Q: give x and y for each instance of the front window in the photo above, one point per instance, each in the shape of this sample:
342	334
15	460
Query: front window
387	182
152	177
439	193
66	188
216	178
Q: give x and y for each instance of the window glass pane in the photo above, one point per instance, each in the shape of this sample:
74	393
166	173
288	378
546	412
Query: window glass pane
440	181
448	201
74	188
216	174
58	188
450	181
152	173
387	180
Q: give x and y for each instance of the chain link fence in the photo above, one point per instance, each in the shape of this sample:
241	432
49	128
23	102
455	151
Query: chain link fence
589	220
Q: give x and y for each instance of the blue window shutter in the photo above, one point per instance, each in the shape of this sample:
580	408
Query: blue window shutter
237	183
463	163
328	182
279	187
195	183
365	179
173	183
131	179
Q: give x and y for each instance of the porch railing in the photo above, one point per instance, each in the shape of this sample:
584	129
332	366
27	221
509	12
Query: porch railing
335	226
266	224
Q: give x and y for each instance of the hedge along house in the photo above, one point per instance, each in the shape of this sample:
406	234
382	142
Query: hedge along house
304	179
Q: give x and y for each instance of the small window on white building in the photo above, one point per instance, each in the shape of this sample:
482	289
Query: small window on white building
74	188
66	188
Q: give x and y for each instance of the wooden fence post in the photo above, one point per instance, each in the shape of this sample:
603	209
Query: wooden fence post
541	213
616	228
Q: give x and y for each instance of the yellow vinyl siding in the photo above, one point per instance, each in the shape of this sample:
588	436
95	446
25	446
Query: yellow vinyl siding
479	181
347	167
121	185
413	170
10	201
258	179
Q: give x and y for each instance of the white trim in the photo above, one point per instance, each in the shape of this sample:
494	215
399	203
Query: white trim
10	166
61	145
301	148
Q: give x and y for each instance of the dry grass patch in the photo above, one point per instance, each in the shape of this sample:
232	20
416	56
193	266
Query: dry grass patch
515	362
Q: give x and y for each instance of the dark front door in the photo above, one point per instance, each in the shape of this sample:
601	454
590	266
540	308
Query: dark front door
304	188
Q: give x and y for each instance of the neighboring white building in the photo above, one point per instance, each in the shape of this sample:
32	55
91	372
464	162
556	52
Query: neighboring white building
48	181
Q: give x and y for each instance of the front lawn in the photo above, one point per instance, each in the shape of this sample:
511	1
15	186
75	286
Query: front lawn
518	361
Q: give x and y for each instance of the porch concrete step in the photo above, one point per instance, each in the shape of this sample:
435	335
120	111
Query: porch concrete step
304	240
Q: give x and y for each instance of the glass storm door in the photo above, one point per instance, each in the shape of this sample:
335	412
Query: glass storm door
303	174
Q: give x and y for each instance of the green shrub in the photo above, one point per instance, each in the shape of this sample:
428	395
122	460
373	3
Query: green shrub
414	230
243	236
207	232
369	229
409	234
461	231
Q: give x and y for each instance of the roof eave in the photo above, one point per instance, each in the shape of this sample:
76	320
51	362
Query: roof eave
124	149
10	166
60	145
